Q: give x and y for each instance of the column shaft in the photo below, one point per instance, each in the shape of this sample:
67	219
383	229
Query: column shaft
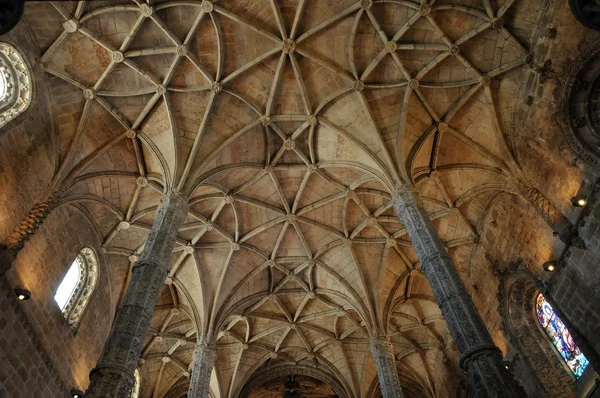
480	358
204	361
385	362
113	375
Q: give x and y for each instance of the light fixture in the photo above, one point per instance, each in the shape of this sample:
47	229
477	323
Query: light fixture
550	266
22	294
75	393
579	200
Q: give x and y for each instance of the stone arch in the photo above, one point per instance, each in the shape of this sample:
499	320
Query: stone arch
536	364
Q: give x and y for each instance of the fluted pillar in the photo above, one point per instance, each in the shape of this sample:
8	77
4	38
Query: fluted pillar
113	375
383	355
204	361
480	358
28	226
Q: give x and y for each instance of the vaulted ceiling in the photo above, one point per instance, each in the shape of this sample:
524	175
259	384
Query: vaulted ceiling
287	122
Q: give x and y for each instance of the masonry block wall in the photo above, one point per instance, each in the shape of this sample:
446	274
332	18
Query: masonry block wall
40	355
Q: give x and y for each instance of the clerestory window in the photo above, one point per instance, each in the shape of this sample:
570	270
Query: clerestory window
77	286
560	337
15	84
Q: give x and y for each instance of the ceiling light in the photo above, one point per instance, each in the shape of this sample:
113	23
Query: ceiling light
550	266
76	393
22	294
579	200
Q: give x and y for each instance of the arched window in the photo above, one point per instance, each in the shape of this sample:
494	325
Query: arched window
560	337
77	286
15	84
135	392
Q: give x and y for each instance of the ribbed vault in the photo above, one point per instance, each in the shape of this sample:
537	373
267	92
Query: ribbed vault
287	122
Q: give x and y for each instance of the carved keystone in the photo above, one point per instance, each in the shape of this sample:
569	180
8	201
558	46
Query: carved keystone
146	9
269	169
485	81
245	347
165	359
288	46
366	4
133	258
391	46
265	120
371	221
425	9
358	85
168	280
216	87
273	355
271	264
123	225
182	342
209	226
117	56
442	127
289	144
311	295
89	94
454	50
189	249
350	194
131	134
235	246
71	26
141	181
182	50
207	6
413	83
228	199
391	242
290	218
312	120
160	89
312	168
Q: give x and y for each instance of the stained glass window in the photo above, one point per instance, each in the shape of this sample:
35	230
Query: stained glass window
560	337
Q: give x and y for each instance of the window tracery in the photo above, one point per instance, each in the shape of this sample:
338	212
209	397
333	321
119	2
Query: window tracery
15	84
76	288
560	336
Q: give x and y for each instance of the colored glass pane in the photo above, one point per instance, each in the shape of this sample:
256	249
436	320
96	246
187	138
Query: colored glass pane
560	337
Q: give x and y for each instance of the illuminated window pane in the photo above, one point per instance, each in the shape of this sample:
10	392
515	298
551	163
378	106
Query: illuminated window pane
67	286
560	337
135	392
2	85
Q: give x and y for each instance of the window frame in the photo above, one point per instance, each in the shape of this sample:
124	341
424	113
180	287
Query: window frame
84	289
18	83
541	328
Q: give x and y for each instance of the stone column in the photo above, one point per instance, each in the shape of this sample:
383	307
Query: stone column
113	374
480	358
204	361
28	226
385	362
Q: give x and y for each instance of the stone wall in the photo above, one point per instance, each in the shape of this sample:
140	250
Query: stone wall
40	267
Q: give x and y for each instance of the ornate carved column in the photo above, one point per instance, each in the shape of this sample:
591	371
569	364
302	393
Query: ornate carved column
480	358
204	361
25	230
113	374
383	355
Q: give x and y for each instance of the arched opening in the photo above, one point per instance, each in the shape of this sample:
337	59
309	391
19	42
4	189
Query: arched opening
560	337
77	286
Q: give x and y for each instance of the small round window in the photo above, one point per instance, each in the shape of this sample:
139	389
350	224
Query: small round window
15	84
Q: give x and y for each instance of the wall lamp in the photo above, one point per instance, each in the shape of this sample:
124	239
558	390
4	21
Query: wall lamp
22	294
579	200
76	393
550	266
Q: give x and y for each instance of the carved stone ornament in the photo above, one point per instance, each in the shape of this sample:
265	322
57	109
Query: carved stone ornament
207	6
14	73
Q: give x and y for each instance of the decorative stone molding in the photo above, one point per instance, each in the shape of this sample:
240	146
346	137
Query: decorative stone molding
413	84
15	84
87	263
89	94
216	87
288	46
391	46
71	26
182	50
358	86
146	9
117	56
207	6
